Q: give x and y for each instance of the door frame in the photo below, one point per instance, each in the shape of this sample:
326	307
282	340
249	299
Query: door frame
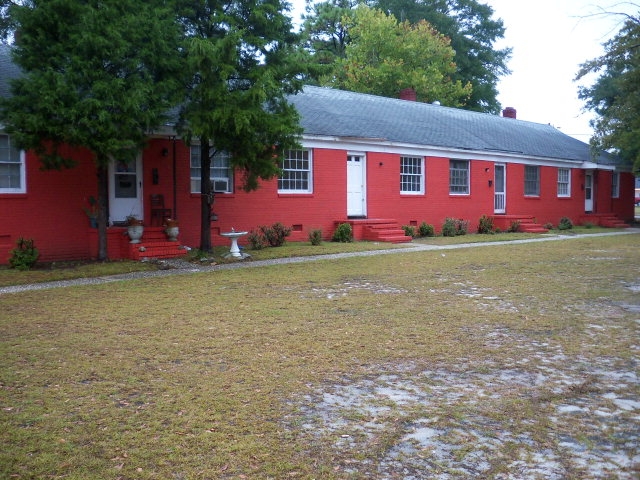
589	190
356	197
500	198
120	208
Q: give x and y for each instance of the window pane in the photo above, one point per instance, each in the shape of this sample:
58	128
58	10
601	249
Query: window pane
411	178
459	176
11	167
531	180
220	173
563	182
296	172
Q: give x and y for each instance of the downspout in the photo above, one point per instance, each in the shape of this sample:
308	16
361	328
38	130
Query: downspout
175	186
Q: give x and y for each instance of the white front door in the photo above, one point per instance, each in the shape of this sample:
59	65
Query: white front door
499	189
588	191
356	191
125	190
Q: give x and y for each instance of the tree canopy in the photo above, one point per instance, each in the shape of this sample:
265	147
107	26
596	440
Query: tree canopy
615	95
97	74
241	60
468	24
386	56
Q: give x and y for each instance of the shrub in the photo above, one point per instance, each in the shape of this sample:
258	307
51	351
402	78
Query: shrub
548	226
25	255
588	225
454	226
344	233
315	237
426	230
485	225
276	234
565	224
256	240
409	230
514	227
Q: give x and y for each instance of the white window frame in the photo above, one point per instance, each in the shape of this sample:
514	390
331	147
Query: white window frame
529	181
216	175
296	172
564	182
615	184
456	173
412	175
8	157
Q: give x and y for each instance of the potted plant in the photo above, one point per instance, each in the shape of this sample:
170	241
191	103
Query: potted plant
135	229
171	229
92	212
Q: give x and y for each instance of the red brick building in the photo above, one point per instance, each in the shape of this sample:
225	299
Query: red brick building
369	160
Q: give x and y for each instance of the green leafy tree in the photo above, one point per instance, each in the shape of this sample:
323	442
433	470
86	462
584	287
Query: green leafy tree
241	61
98	74
326	37
386	56
473	32
615	95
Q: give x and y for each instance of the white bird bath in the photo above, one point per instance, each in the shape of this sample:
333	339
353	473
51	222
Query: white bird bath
235	250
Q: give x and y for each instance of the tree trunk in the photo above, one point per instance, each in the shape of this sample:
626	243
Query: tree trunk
103	194
206	197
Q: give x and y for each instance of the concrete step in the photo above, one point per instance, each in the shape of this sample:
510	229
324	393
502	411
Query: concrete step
156	249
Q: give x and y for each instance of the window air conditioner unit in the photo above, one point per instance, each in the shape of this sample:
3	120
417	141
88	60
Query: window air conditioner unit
221	185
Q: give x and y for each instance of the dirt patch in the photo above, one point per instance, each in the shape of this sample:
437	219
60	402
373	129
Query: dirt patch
539	414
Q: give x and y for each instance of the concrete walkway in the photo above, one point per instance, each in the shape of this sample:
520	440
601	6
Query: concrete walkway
181	267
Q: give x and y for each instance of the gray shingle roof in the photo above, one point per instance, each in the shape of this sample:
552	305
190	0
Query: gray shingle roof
338	113
329	112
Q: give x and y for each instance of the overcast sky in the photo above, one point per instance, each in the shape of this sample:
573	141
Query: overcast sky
550	39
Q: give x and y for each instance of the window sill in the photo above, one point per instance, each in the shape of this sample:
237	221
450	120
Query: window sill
16	195
215	195
295	195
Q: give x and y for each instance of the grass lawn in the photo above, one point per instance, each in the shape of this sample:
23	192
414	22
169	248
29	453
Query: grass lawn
219	375
49	272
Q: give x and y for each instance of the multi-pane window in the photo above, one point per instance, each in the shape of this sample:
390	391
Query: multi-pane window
221	173
615	185
532	180
11	167
296	172
564	182
411	175
459	177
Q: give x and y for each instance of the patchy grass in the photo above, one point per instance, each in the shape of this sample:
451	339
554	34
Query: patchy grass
55	271
50	272
224	374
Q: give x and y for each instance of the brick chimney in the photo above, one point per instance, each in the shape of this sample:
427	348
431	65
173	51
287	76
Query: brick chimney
509	112
408	94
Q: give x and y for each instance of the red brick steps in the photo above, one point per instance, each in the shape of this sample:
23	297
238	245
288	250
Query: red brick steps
154	244
608	220
377	230
527	223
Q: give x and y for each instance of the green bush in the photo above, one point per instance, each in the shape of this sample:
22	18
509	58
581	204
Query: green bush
276	234
454	226
565	224
344	233
426	230
485	225
548	226
409	230
25	255
315	237
256	240
514	227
